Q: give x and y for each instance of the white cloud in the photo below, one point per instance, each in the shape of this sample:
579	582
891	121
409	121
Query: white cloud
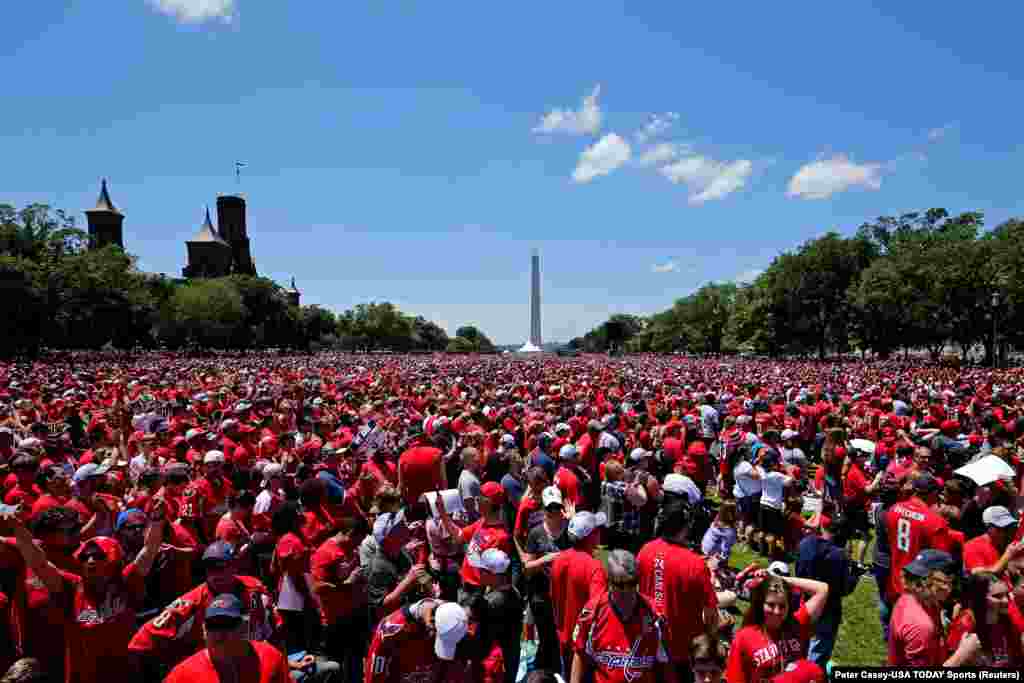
196	11
667	267
658	124
748	276
708	179
601	158
587	119
823	178
660	153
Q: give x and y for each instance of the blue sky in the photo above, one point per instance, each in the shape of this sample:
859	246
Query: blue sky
415	152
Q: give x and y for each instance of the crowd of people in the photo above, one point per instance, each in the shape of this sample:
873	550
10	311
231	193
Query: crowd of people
439	519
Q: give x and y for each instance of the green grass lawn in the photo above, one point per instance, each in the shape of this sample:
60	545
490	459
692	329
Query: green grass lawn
860	635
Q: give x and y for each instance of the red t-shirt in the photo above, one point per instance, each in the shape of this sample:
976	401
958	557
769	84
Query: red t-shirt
912	526
915	635
980	552
384	471
1005	649
401	651
420	472
290	553
529	515
333	562
576	577
96	644
678	583
569	484
480	537
755	657
621	652
265	664
855	488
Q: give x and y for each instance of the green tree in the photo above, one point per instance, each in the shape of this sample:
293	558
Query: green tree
477	339
22	307
208	312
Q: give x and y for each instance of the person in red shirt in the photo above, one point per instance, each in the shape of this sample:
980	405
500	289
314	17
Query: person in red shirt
619	637
413	643
487	532
986	599
678	582
993	550
912	526
56	487
530	512
206	499
421	469
576	577
570	477
857	492
25	491
228	654
100	603
289	566
176	633
340	586
775	633
915	631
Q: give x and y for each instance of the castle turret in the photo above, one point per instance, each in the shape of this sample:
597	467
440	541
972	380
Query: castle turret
231	223
208	254
105	221
293	294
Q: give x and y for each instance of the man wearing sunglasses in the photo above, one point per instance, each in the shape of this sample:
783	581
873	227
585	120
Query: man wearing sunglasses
230	655
618	635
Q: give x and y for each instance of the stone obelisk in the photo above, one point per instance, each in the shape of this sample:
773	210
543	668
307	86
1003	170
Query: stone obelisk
535	340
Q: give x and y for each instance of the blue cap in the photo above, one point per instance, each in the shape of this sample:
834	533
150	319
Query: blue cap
129	514
224	606
219	551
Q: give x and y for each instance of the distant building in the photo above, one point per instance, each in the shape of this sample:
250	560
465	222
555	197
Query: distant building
294	295
208	254
232	228
105	221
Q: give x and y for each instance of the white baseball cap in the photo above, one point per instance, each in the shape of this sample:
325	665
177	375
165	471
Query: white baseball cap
788	434
493	560
451	624
682	485
583	524
998	516
568	452
551	496
778	568
638	454
213	457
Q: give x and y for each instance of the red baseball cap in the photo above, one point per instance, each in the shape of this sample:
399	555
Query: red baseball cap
801	671
493	492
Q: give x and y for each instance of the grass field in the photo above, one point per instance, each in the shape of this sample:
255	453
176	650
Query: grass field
860	635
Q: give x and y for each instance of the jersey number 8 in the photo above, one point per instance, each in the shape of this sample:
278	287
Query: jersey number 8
903	534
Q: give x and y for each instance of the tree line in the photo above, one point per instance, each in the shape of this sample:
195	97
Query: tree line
57	293
919	281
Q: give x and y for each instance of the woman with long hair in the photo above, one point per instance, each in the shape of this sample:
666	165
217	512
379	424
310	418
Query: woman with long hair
776	628
986	601
290	567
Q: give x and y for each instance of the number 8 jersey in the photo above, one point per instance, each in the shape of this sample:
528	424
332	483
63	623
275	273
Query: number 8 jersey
912	527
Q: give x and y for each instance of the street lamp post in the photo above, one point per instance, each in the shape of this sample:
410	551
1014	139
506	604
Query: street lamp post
995	329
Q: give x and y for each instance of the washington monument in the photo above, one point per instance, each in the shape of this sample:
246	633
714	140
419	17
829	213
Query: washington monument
535	343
